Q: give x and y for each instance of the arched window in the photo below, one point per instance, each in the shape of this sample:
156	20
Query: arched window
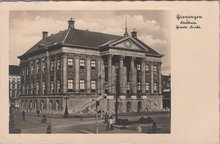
128	108
139	108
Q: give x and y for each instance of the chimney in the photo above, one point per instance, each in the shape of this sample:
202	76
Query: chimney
71	23
134	34
45	34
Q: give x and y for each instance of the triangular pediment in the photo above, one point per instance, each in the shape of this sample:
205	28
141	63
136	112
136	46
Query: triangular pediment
128	43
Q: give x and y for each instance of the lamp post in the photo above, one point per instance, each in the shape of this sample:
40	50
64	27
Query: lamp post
66	114
117	93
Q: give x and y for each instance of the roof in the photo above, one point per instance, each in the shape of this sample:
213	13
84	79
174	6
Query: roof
14	70
76	37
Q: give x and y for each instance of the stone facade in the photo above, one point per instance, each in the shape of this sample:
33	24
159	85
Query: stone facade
85	74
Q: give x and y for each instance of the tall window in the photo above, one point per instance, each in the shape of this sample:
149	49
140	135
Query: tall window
93	85
32	68
155	69
155	87
70	62
138	67
147	68
51	65
51	87
58	64
70	85
138	86
58	86
43	67
37	89
93	64
147	87
38	67
44	88
82	85
128	86
23	89
82	64
32	88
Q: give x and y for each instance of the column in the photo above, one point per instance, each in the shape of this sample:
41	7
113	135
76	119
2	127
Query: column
143	88
64	73
55	75
77	73
47	82
109	74
152	77
88	74
133	81
41	76
102	75
99	76
122	76
159	78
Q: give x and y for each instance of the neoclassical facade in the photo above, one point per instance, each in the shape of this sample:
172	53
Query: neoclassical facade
78	67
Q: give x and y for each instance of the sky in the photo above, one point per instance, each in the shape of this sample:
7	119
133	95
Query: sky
153	28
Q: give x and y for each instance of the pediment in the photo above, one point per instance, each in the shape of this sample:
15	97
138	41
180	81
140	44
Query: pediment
128	43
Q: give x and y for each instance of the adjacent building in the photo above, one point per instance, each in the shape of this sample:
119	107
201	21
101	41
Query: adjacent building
166	91
14	85
78	67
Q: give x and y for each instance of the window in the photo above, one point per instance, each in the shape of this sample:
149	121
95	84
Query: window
32	88
58	86
27	70
93	85
147	87
128	86
37	89
155	87
155	69
51	65
37	68
32	69
82	64
52	87
43	67
147	68
70	62
138	67
93	64
138	86
44	89
23	89
70	85
82	85
58	64
27	88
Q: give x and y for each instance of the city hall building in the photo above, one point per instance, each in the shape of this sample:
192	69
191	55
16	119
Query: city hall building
76	68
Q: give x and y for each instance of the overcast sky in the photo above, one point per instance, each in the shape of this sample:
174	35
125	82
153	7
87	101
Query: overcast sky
153	28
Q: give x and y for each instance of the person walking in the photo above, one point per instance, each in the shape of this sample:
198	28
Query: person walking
49	129
111	123
154	127
23	115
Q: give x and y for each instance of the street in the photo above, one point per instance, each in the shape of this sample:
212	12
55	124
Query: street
32	124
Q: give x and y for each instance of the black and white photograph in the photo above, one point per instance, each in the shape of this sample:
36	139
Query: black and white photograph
90	72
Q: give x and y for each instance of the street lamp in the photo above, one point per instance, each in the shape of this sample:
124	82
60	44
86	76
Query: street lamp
66	114
117	92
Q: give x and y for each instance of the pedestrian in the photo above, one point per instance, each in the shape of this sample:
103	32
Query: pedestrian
154	127
44	119
23	115
49	128
106	117
111	123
